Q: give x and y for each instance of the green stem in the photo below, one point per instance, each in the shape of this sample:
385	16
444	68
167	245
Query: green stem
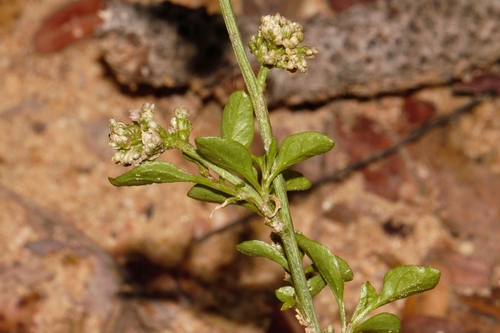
261	78
255	92
294	256
256	88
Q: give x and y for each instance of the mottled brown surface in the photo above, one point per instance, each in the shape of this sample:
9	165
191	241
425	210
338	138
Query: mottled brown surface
79	255
393	46
378	48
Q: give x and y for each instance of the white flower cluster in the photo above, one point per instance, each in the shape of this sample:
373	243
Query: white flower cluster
139	142
277	44
281	31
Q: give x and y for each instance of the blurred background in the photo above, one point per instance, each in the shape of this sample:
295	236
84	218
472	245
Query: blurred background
407	89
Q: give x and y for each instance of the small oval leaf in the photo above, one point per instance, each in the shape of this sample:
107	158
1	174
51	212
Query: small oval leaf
295	181
366	300
381	323
299	147
257	248
407	280
318	249
208	194
316	284
237	119
154	173
229	155
287	296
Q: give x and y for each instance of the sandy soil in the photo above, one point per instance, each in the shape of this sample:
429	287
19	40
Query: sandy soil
79	255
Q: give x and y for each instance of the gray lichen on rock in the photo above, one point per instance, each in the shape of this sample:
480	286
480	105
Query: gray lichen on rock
393	46
382	47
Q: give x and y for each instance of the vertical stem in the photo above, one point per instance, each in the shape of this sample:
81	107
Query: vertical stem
258	101
294	257
256	88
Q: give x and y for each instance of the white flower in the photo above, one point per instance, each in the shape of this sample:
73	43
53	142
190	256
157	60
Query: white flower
147	112
135	115
152	143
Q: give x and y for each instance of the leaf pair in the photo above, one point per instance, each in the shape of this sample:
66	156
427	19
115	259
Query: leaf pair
286	294
323	260
400	282
230	151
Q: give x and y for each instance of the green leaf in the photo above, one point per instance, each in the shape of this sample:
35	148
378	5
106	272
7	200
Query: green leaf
237	119
333	269
299	147
326	263
295	181
367	297
287	296
208	194
273	151
400	282
229	155
407	280
316	284
380	323
154	173
257	248
260	161
306	244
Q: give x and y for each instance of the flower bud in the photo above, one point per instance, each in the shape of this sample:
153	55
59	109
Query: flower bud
135	115
181	127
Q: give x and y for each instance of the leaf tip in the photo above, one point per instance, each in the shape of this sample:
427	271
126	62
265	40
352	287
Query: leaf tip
113	181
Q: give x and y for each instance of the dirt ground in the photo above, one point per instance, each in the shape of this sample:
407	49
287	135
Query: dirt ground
414	179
